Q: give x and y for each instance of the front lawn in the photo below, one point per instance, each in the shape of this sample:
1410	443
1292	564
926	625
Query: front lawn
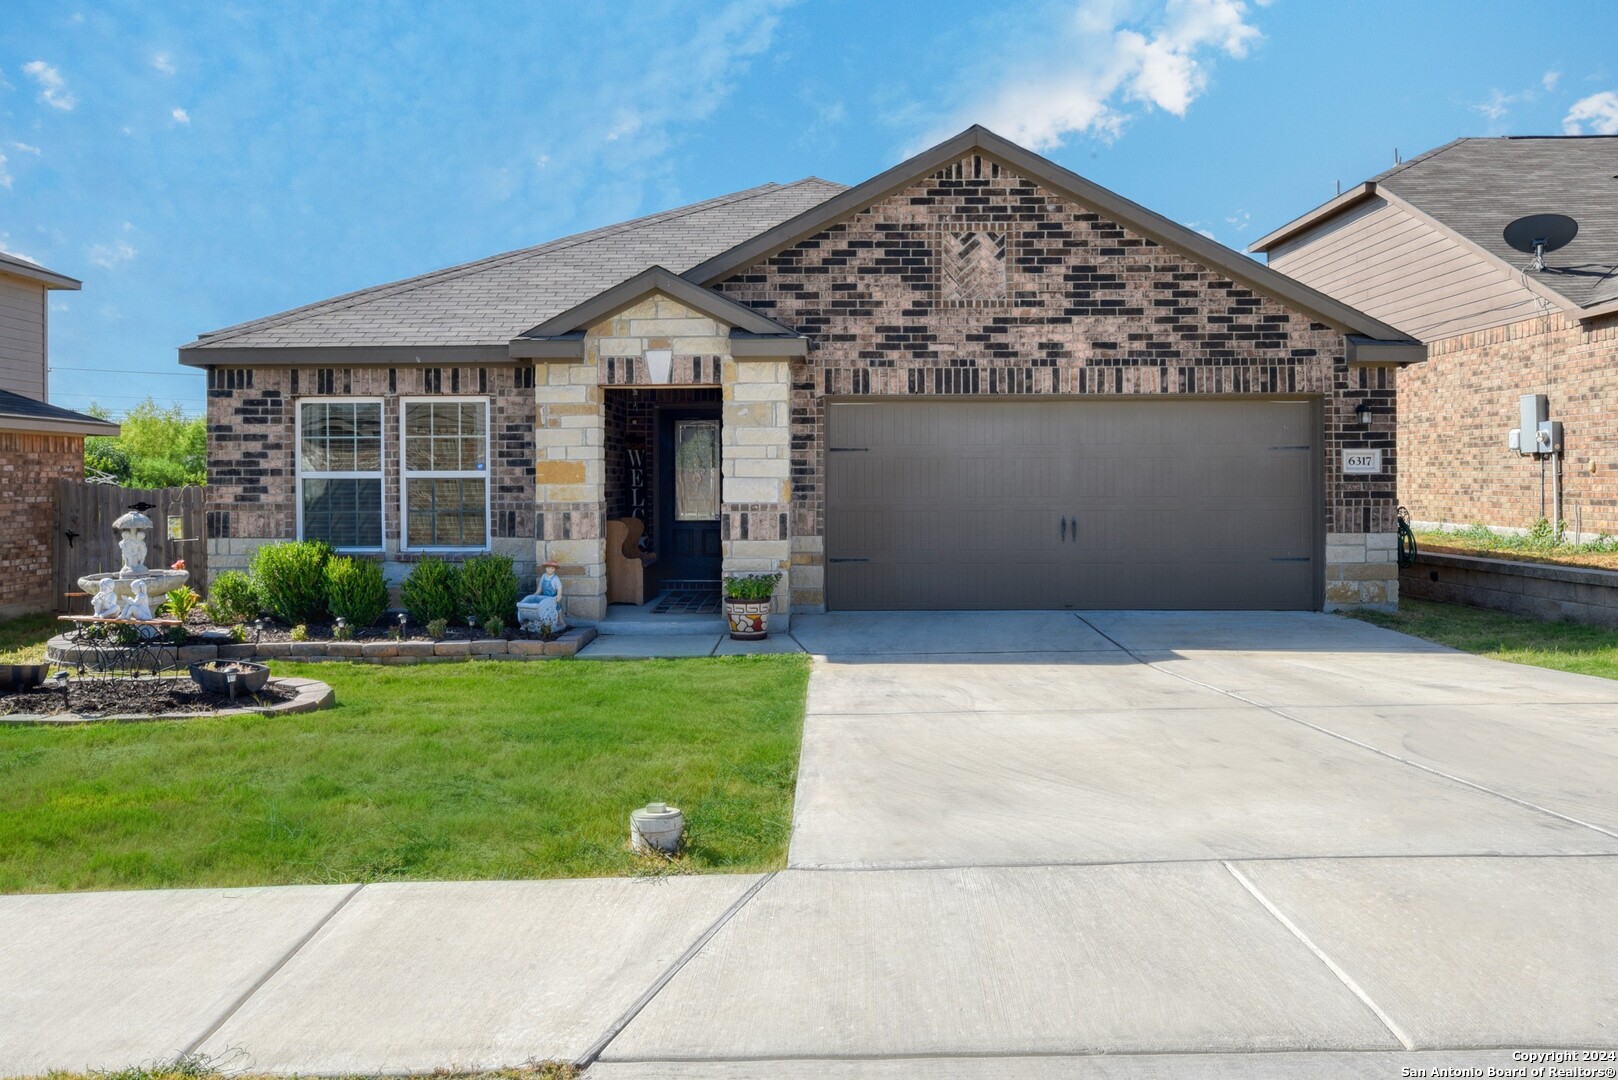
1564	646
470	770
22	641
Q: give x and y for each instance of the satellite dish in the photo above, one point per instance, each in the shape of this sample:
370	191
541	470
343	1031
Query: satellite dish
1538	233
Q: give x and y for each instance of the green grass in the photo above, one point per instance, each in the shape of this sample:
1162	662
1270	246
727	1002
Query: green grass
449	771
22	641
1563	646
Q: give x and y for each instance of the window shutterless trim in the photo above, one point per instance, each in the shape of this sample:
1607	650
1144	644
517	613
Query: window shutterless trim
407	474
301	474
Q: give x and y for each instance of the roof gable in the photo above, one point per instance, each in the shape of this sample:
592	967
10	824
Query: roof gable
1063	182
657	280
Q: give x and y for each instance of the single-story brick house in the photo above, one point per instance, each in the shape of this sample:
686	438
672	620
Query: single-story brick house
976	380
40	443
1422	246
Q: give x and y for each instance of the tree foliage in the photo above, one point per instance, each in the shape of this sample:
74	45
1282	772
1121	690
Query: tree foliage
159	447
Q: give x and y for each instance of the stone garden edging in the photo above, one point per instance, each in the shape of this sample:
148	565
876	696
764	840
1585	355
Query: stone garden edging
62	651
1539	590
308	695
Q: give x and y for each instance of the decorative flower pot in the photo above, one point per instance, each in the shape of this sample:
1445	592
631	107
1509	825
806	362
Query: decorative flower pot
749	619
217	676
15	678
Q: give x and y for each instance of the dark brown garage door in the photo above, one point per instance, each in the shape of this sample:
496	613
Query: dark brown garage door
1065	504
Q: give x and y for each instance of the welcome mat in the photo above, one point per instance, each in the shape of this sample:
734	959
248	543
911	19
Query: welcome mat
698	601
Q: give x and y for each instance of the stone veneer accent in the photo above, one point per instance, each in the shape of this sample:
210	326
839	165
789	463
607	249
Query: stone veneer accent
1458	406
251	498
1362	571
570	440
1051	299
30	466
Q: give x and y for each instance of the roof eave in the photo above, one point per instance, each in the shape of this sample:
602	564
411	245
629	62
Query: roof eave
1318	216
38	425
38	274
655	279
1063	181
202	355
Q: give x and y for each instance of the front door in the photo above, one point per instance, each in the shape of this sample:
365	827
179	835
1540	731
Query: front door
688	455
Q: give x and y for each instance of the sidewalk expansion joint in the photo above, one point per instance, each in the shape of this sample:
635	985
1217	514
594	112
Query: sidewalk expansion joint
1344	977
274	970
616	1028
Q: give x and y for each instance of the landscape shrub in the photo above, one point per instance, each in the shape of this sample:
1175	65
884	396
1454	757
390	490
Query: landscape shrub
291	579
355	591
232	599
489	589
181	602
751	586
432	592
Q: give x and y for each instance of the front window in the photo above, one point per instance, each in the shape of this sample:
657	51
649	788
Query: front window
340	473
446	478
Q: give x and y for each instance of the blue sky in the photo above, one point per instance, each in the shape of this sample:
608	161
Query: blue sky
202	164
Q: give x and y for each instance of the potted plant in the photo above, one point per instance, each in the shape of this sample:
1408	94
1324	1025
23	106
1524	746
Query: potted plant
747	605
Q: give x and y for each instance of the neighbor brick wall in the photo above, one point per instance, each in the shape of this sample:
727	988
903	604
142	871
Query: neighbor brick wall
1055	300
251	494
1458	406
30	466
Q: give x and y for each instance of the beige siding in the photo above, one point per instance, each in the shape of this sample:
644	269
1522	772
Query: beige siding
1405	271
22	337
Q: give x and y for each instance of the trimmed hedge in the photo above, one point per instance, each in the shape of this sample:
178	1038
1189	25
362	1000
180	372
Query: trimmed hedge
291	580
432	591
355	591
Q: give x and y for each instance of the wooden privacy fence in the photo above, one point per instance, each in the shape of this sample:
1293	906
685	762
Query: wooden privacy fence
85	542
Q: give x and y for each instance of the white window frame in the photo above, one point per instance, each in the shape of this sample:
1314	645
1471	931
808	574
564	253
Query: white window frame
406	474
303	474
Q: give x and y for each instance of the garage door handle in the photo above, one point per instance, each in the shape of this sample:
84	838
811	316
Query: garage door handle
847	560
1064	530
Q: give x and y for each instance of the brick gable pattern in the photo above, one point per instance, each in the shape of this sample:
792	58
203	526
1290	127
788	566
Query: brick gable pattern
903	299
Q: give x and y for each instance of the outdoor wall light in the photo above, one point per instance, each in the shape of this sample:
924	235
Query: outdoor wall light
1362	413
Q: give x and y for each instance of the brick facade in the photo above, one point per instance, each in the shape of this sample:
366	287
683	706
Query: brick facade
252	492
30	466
1458	406
974	281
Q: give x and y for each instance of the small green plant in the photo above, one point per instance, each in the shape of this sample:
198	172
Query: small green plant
751	586
238	633
437	628
300	632
232	599
341	631
355	590
494	627
432	591
489	588
291	579
182	602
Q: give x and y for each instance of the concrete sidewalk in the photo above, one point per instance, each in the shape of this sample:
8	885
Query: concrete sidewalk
1104	845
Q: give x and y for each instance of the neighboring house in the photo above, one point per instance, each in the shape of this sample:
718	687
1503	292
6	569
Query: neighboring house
1421	247
977	380
39	443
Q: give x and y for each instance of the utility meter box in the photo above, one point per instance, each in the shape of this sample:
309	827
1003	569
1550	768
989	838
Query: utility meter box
1536	410
1550	437
1514	440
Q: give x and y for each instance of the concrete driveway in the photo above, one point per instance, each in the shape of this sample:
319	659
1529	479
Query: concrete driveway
1120	846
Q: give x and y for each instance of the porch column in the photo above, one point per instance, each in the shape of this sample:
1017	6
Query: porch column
570	482
756	468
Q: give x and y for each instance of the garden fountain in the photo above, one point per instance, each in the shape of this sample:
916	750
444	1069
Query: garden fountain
134	586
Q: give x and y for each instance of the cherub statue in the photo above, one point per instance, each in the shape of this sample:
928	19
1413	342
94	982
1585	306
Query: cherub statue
139	606
542	609
104	604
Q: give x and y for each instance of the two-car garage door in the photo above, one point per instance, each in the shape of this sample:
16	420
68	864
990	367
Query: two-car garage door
1179	504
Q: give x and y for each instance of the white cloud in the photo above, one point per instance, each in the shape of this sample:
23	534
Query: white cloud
24	148
1497	104
52	88
5	246
1240	220
1598	112
181	116
110	256
1550	79
163	63
5	174
1082	76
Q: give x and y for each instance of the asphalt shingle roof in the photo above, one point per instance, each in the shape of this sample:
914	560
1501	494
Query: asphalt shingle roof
491	301
1479	186
17	407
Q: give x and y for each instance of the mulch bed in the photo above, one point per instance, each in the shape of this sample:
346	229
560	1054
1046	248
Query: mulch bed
133	697
1593	560
383	631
